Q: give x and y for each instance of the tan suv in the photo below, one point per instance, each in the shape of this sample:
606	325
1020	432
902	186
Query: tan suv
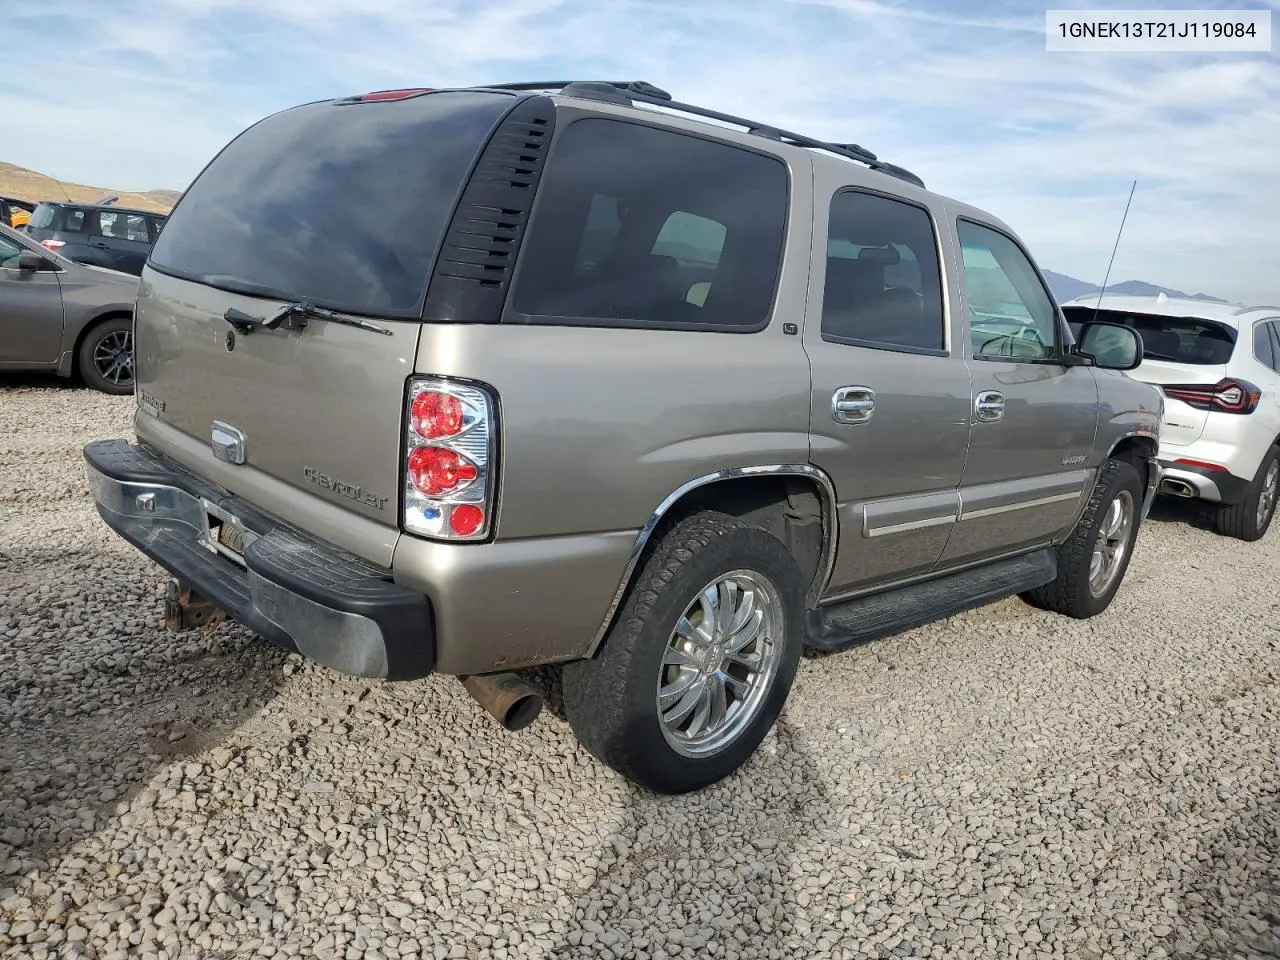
475	380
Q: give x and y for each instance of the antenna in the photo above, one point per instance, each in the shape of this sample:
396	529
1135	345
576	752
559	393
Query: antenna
60	187
1107	276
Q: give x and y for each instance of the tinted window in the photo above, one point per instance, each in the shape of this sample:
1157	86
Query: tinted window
1274	327
42	219
1011	314
883	286
75	221
640	226
1172	339
1263	348
9	253
340	204
123	226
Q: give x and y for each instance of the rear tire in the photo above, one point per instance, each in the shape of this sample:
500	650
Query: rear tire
1250	519
697	665
105	357
1093	561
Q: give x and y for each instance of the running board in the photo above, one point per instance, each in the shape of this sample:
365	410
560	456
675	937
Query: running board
844	624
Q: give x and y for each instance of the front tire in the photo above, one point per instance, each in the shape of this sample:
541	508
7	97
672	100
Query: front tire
1093	561
697	665
105	358
1250	519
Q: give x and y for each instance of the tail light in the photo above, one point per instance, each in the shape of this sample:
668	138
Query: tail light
1203	464
1227	396
53	244
451	434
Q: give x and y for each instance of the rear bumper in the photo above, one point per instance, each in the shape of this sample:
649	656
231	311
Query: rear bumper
1201	483
294	589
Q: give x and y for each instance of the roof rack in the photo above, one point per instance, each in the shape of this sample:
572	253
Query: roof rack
1264	306
625	92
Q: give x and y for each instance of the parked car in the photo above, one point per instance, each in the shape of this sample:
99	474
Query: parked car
117	238
64	317
607	386
1218	366
15	212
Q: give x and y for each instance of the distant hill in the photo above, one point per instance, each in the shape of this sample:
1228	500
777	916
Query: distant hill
27	184
1068	288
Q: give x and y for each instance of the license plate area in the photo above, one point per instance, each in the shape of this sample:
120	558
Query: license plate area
225	534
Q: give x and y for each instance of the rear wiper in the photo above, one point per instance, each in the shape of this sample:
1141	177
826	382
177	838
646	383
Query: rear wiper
294	316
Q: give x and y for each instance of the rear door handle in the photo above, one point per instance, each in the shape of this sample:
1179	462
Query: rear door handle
99	245
988	406
853	404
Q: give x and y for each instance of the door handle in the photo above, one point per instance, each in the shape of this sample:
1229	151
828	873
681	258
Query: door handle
988	406
853	404
99	245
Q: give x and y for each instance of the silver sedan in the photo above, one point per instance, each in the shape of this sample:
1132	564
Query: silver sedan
65	317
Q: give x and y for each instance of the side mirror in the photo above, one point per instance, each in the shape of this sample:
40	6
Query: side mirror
1110	346
30	260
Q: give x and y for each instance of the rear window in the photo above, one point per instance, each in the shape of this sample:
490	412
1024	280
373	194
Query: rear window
43	217
343	205
1171	339
642	227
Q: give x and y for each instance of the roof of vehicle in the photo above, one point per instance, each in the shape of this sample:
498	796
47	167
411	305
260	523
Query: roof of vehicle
1163	305
639	95
17	201
101	206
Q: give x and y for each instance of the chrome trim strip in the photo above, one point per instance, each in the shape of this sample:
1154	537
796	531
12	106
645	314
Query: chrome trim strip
1020	505
829	529
909	525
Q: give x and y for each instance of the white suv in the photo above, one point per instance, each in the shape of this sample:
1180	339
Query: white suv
1219	368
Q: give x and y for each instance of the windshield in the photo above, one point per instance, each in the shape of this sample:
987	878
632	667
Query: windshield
1174	339
343	205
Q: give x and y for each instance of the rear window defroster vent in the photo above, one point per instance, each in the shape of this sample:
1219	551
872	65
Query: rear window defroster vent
479	251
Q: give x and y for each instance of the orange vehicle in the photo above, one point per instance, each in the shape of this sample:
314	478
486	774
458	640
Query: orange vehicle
14	212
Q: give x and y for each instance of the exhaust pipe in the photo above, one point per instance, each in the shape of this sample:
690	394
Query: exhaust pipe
507	698
1178	488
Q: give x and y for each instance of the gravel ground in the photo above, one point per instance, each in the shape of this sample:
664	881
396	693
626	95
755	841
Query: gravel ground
1006	784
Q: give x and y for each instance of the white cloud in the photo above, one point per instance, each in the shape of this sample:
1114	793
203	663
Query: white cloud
143	93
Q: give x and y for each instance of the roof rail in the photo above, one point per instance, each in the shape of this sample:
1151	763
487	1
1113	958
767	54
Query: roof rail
1265	306
627	91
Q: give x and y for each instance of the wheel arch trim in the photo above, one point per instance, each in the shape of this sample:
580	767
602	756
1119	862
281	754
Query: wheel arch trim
826	560
1154	470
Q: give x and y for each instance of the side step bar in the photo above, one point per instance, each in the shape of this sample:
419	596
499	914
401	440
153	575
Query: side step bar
842	625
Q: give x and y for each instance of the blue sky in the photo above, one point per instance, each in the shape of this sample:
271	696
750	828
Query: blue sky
139	94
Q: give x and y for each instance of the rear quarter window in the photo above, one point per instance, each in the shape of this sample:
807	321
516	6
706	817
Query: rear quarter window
638	226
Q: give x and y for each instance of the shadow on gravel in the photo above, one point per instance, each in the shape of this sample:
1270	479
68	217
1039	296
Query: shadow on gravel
38	381
1192	513
96	696
679	877
1230	908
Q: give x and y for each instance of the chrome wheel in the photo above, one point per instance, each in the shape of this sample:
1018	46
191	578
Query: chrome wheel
1267	496
113	357
719	663
1112	544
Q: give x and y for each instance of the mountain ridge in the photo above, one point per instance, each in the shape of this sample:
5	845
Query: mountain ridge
1068	288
